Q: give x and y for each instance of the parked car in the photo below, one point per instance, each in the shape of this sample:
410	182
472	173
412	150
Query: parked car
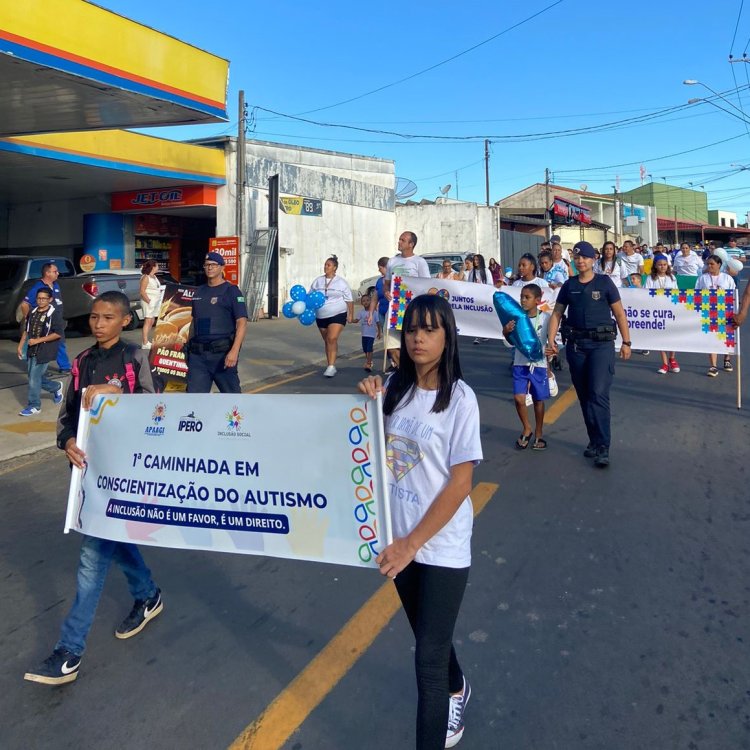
18	273
434	262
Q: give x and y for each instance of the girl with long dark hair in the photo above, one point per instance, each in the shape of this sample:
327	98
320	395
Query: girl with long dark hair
432	446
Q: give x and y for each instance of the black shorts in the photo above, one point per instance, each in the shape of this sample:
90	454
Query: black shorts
339	319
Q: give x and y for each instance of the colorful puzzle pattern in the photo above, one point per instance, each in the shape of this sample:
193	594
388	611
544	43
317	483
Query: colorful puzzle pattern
402	297
716	307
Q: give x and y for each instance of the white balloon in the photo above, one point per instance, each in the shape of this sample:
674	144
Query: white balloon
722	253
299	307
735	264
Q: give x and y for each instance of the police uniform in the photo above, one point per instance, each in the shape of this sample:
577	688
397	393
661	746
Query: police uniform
590	331
216	310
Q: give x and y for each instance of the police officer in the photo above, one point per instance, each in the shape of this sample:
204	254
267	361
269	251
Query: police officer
591	300
219	324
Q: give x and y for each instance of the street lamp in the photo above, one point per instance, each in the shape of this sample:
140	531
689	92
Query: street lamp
693	82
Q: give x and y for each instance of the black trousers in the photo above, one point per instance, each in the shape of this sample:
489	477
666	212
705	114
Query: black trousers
592	368
431	596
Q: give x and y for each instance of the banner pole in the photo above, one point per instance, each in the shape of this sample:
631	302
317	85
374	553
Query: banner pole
739	367
76	475
381	468
385	341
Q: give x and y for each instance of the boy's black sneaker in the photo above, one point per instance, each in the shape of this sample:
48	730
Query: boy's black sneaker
602	457
590	451
143	611
57	669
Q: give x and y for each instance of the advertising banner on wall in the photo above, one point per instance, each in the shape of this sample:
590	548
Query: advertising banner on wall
229	249
169	352
235	473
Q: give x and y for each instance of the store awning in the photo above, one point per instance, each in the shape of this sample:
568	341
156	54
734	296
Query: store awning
62	166
71	65
684	225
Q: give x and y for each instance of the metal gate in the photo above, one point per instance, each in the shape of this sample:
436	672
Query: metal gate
255	274
514	244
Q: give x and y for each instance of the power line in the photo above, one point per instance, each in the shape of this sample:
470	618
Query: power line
436	65
736	26
652	159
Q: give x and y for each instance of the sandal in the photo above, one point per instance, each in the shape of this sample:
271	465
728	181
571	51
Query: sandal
523	441
728	365
539	444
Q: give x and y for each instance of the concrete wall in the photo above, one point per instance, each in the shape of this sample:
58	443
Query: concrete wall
358	222
51	227
452	226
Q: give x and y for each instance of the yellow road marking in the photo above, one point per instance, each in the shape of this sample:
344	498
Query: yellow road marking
280	362
281	382
560	406
295	703
24	428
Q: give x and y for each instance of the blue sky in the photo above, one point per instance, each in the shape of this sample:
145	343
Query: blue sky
578	64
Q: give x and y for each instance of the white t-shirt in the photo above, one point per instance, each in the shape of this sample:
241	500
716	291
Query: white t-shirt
414	265
630	264
722	281
540	324
613	274
475	276
690	265
660	282
539	282
421	449
337	294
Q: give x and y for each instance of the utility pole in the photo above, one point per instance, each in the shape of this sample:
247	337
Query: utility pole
547	215
240	189
617	217
676	239
487	170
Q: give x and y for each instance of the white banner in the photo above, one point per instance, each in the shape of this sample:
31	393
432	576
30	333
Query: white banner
290	476
667	320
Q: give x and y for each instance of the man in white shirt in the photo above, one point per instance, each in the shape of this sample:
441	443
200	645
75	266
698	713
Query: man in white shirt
630	261
405	263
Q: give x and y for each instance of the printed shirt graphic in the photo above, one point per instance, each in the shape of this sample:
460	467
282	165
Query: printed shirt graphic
421	448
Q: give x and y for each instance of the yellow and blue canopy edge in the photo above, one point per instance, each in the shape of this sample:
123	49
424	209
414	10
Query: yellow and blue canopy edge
85	40
111	149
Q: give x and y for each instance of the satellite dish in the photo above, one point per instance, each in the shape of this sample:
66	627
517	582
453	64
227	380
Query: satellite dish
405	188
444	190
584	187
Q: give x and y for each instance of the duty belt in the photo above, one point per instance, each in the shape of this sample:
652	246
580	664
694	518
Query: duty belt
218	346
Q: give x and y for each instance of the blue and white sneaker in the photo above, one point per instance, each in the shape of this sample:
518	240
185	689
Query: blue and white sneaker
144	610
456	715
57	669
58	397
29	411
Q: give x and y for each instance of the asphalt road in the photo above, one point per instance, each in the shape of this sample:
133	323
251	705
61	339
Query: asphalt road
606	608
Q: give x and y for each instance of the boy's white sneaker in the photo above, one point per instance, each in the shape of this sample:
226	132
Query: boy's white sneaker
330	371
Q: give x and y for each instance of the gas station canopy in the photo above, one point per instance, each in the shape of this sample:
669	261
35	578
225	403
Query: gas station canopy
70	65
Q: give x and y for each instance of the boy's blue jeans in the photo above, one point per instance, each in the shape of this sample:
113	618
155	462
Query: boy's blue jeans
39	381
96	557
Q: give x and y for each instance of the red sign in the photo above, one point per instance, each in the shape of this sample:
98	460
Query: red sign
571	213
169	197
229	249
87	263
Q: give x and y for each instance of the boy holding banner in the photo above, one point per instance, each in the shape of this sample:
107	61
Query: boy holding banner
109	367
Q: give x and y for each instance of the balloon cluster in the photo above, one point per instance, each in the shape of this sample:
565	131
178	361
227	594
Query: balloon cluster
303	305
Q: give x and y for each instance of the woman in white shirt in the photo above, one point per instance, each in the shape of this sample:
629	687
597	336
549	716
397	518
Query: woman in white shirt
479	274
338	308
715	279
686	262
608	264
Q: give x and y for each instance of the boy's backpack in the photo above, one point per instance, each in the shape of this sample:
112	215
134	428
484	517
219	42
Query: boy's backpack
129	364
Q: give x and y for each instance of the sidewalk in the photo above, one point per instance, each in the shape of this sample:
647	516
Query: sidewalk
272	349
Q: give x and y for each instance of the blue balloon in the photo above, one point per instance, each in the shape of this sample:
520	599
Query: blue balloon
523	336
287	310
316	300
307	318
298	292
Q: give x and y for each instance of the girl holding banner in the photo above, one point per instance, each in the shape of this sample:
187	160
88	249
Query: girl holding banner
661	277
432	446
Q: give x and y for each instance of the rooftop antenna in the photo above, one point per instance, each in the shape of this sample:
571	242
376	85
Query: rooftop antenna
444	190
405	188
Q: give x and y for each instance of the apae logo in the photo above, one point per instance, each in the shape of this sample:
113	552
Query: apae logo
190	423
159	415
